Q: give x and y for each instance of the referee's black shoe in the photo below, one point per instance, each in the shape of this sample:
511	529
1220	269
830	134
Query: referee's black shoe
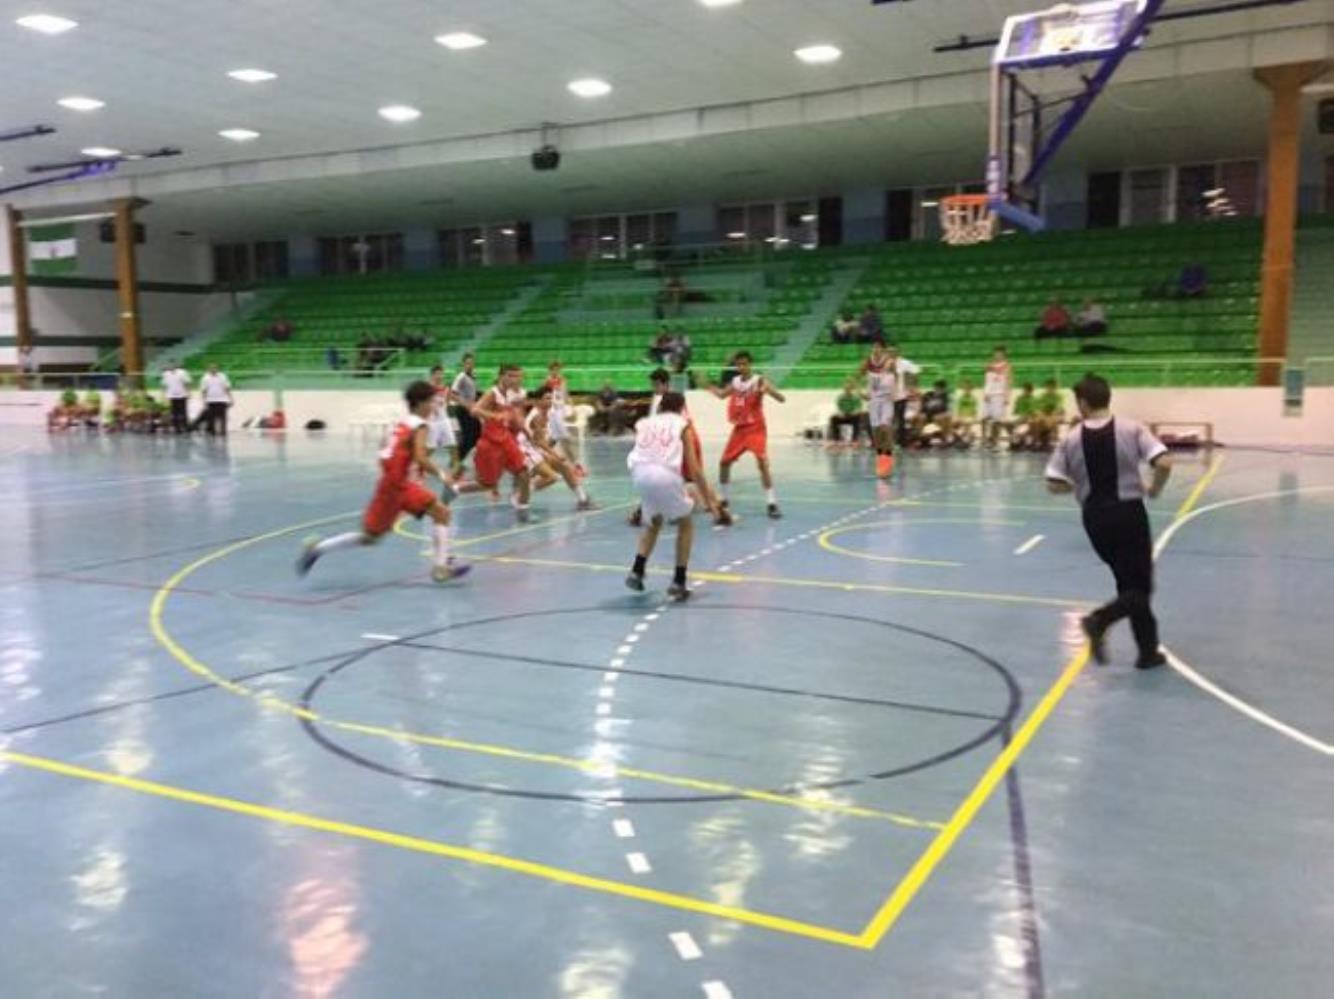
1152	661
1096	633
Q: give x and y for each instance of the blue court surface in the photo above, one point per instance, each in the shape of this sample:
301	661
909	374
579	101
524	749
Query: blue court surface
867	759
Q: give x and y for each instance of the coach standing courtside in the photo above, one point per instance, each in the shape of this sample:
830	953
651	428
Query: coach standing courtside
1100	462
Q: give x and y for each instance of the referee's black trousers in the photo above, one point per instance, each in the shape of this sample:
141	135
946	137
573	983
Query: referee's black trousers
470	431
1120	535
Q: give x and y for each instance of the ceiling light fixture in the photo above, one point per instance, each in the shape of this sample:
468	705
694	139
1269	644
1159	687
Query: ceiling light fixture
736	235
252	75
460	40
399	113
239	134
81	103
808	218
817	54
719	3
100	152
47	24
591	87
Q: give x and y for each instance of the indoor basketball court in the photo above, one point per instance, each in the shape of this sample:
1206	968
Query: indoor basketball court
870	750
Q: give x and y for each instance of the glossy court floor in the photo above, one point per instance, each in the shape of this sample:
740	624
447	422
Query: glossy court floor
866	760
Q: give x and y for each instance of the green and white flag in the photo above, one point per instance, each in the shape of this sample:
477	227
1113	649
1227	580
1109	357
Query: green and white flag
53	249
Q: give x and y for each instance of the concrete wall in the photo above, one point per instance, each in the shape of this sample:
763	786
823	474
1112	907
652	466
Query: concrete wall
1247	416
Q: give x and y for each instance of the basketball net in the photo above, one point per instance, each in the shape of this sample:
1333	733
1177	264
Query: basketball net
967	219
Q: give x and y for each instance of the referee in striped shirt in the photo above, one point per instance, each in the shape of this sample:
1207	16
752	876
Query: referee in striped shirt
1099	461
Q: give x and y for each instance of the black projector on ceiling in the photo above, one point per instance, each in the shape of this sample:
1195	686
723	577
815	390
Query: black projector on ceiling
546	158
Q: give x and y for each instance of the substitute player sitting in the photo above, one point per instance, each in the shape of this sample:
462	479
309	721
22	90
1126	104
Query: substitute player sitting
745	411
404	459
664	458
1048	416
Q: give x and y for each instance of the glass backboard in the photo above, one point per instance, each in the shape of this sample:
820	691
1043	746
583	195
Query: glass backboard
1066	33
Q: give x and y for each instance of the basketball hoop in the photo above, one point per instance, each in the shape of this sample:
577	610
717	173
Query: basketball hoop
967	219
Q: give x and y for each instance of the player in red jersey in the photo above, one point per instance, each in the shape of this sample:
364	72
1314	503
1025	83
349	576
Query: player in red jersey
398	492
498	451
745	411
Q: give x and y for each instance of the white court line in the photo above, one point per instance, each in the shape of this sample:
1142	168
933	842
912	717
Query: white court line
638	863
685	946
1203	683
376	637
1030	544
624	828
610	677
603	708
716	990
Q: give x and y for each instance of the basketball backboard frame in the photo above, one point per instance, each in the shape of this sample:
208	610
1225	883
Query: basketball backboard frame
1031	119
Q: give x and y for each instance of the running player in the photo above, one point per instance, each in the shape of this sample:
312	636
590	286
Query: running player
441	430
398	492
745	411
498	452
882	383
666	445
545	463
557	428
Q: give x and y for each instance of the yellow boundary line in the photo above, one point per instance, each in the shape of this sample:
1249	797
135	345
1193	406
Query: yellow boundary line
671	900
203	670
824	539
1188	504
880	924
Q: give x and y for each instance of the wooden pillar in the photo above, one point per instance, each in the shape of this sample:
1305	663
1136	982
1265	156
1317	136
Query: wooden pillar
1283	167
127	285
18	264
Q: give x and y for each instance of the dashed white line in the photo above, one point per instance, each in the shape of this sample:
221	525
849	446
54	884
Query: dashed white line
652	617
638	863
631	639
685	945
1030	544
604	708
376	637
610	677
642	626
625	650
624	828
606	691
716	990
616	663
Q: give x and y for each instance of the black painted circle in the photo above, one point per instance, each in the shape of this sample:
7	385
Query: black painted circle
997	727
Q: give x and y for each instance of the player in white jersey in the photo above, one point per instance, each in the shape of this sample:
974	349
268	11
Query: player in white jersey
996	388
882	383
439	427
557	418
546	464
665	456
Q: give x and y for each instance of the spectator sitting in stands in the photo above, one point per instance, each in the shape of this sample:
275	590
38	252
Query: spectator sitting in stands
850	412
872	327
279	331
608	412
1092	319
678	355
1055	321
660	347
845	328
1193	282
